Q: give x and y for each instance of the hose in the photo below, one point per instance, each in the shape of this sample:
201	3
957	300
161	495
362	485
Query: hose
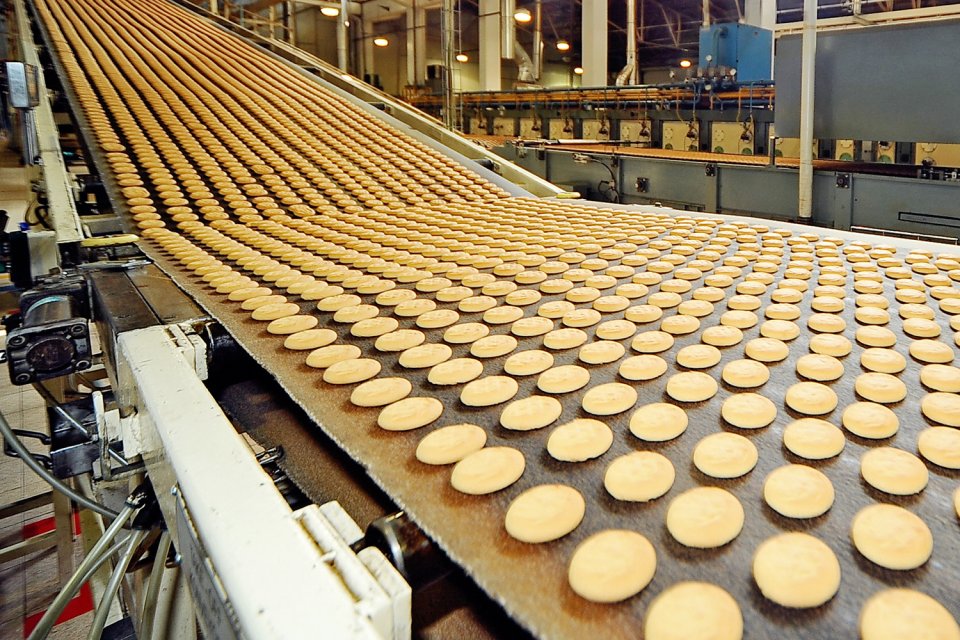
153	588
49	478
103	609
95	557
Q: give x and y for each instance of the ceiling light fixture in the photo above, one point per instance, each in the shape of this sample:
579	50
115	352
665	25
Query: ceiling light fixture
685	64
462	57
330	12
522	15
563	45
578	71
381	41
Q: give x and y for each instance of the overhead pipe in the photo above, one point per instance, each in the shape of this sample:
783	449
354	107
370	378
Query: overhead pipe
343	21
508	28
538	40
807	75
629	72
525	66
447	46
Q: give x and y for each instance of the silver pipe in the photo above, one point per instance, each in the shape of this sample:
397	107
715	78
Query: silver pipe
538	40
103	609
447	46
629	71
343	21
508	28
153	588
96	555
525	68
807	75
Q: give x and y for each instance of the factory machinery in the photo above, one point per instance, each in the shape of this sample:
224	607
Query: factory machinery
322	366
721	137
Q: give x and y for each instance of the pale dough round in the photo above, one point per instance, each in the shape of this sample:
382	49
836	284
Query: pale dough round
611	566
409	413
941	446
425	355
399	340
826	323
721	336
716	615
652	342
691	386
325	356
941	377
894	471
870	420
616	329
698	356
544	513
310	339
450	444
943	408
645	367
705	517
679	325
456	371
748	410
601	352
275	311
766	350
564	339
640	476
725	455
465	332
531	326
502	315
609	399
904	614
493	346
891	537
798	491
579	440
882	360
658	422
745	373
880	387
921	328
811	398
643	313
351	371
488	391
818	367
292	324
796	570
488	470
931	351
779	329
528	363
438	318
739	319
813	439
380	392
533	412
374	327
830	344
876	337
563	379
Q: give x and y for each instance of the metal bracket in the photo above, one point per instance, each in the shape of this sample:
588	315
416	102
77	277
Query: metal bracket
643	185
710	169
843	180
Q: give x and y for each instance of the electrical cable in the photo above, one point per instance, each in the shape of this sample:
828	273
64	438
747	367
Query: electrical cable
49	478
96	555
153	588
103	609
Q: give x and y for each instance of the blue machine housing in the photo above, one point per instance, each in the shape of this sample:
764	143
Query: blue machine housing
744	47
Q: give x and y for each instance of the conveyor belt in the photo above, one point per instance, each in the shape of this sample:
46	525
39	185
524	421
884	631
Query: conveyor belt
243	154
874	168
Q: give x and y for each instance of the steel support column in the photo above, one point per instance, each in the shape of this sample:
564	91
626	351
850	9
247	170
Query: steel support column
808	56
489	54
595	33
416	45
